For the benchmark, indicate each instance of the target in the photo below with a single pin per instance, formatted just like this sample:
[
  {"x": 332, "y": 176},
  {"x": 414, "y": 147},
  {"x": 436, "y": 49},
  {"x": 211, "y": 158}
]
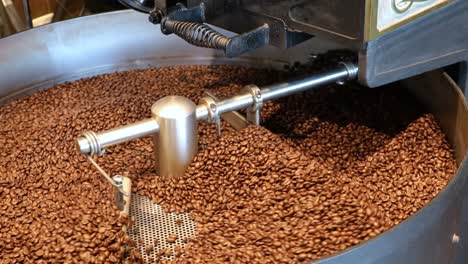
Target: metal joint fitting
[
  {"x": 156, "y": 16},
  {"x": 94, "y": 144},
  {"x": 163, "y": 26},
  {"x": 213, "y": 113},
  {"x": 352, "y": 70},
  {"x": 125, "y": 185},
  {"x": 253, "y": 112}
]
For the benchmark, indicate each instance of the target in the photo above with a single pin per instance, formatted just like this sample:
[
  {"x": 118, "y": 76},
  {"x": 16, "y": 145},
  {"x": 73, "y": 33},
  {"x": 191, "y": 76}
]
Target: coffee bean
[
  {"x": 329, "y": 169},
  {"x": 168, "y": 252},
  {"x": 319, "y": 179},
  {"x": 149, "y": 249},
  {"x": 171, "y": 239}
]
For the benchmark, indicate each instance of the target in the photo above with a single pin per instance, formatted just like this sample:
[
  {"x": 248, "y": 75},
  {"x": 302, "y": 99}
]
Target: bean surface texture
[{"x": 327, "y": 170}]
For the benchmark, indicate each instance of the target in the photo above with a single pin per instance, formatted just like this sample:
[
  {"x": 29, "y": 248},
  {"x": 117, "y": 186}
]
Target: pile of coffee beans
[
  {"x": 329, "y": 169},
  {"x": 54, "y": 206},
  {"x": 259, "y": 199}
]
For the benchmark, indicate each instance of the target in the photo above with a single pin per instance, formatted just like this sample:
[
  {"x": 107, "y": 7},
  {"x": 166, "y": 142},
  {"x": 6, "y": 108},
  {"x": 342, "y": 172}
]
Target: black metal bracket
[
  {"x": 144, "y": 6},
  {"x": 188, "y": 23}
]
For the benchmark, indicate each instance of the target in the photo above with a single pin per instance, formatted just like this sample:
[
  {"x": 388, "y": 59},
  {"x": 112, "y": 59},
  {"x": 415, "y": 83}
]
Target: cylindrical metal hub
[{"x": 176, "y": 143}]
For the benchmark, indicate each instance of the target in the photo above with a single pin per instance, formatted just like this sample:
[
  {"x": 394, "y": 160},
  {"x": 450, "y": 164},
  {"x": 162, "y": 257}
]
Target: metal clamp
[
  {"x": 124, "y": 185},
  {"x": 253, "y": 112},
  {"x": 213, "y": 113},
  {"x": 144, "y": 6}
]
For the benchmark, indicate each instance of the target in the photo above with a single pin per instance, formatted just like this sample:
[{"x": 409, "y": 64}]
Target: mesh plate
[{"x": 153, "y": 224}]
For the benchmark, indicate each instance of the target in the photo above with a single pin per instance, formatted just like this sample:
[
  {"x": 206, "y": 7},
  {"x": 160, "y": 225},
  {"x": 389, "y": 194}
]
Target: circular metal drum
[{"x": 88, "y": 46}]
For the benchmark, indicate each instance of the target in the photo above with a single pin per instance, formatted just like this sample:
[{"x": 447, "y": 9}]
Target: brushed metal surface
[{"x": 177, "y": 141}]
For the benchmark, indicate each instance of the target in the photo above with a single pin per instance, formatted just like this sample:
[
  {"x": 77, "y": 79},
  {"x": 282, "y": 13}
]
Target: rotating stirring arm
[{"x": 174, "y": 119}]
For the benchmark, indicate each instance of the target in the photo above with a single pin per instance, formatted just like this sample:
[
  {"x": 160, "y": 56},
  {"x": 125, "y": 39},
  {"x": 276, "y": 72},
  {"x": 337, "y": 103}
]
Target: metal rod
[
  {"x": 27, "y": 14},
  {"x": 98, "y": 142},
  {"x": 103, "y": 173},
  {"x": 235, "y": 103},
  {"x": 234, "y": 118},
  {"x": 60, "y": 10},
  {"x": 95, "y": 143},
  {"x": 7, "y": 29},
  {"x": 276, "y": 91},
  {"x": 13, "y": 16}
]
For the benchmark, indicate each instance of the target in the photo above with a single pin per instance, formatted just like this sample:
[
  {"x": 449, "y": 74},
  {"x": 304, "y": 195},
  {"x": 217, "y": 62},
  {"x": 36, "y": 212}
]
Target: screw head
[
  {"x": 258, "y": 94},
  {"x": 213, "y": 107},
  {"x": 340, "y": 82},
  {"x": 156, "y": 16}
]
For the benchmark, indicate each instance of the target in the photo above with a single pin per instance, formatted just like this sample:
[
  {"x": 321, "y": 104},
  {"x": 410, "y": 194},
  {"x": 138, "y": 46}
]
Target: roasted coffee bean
[
  {"x": 149, "y": 249},
  {"x": 329, "y": 169},
  {"x": 177, "y": 251},
  {"x": 56, "y": 207},
  {"x": 179, "y": 222},
  {"x": 168, "y": 252},
  {"x": 171, "y": 239}
]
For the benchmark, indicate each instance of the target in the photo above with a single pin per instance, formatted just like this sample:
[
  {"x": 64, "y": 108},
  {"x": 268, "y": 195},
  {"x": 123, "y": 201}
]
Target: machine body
[
  {"x": 394, "y": 39},
  {"x": 388, "y": 37}
]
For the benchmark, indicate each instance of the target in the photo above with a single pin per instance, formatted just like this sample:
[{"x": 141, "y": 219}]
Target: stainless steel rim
[{"x": 31, "y": 62}]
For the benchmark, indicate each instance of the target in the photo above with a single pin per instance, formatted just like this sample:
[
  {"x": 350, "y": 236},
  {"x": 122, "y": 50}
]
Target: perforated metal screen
[{"x": 153, "y": 227}]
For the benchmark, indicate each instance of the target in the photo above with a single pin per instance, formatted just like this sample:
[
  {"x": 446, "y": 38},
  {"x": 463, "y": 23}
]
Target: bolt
[
  {"x": 340, "y": 82},
  {"x": 258, "y": 94},
  {"x": 213, "y": 107},
  {"x": 313, "y": 56},
  {"x": 156, "y": 16}
]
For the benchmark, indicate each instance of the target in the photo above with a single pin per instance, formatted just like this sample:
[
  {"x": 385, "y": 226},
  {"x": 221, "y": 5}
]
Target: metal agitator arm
[{"x": 174, "y": 119}]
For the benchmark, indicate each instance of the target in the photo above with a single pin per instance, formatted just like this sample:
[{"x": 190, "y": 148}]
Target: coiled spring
[{"x": 197, "y": 34}]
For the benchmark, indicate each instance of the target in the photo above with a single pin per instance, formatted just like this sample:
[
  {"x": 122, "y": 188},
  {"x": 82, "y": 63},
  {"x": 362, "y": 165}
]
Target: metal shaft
[
  {"x": 92, "y": 143},
  {"x": 178, "y": 132},
  {"x": 27, "y": 14},
  {"x": 342, "y": 73}
]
